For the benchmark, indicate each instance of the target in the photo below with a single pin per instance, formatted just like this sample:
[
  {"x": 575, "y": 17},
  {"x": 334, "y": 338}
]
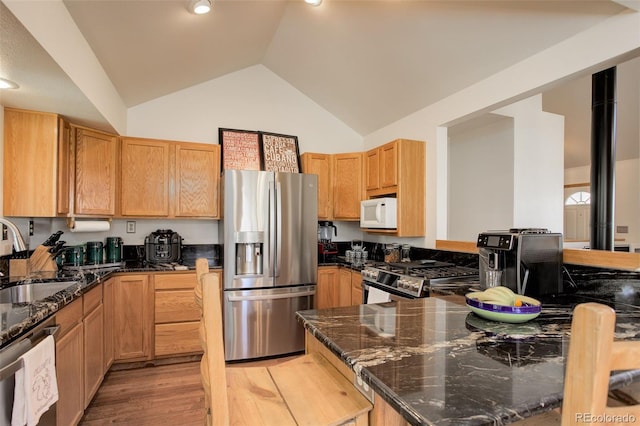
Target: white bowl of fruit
[{"x": 502, "y": 304}]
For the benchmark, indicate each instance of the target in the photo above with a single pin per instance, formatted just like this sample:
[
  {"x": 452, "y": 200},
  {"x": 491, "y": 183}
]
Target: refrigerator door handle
[
  {"x": 276, "y": 272},
  {"x": 271, "y": 297},
  {"x": 272, "y": 229}
]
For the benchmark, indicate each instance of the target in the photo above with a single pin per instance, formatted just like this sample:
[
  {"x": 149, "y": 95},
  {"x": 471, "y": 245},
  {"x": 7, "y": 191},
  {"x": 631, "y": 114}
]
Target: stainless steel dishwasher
[{"x": 10, "y": 362}]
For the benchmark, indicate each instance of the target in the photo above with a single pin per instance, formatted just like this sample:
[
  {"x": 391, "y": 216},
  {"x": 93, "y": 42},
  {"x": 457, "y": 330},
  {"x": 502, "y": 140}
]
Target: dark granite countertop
[
  {"x": 19, "y": 318},
  {"x": 435, "y": 362}
]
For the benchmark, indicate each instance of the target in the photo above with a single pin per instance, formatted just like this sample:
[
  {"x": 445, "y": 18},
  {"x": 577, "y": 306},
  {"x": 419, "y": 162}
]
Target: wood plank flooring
[
  {"x": 163, "y": 395},
  {"x": 159, "y": 396}
]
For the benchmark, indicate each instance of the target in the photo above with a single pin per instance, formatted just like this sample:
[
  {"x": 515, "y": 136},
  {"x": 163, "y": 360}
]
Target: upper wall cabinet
[
  {"x": 36, "y": 164},
  {"x": 169, "y": 179},
  {"x": 95, "y": 158},
  {"x": 397, "y": 169},
  {"x": 339, "y": 183}
]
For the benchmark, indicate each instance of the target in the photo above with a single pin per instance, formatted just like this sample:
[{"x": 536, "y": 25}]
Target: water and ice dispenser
[{"x": 249, "y": 253}]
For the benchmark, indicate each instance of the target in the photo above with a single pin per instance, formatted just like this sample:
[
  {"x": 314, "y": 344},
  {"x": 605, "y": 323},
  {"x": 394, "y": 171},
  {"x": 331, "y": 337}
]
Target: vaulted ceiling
[{"x": 368, "y": 63}]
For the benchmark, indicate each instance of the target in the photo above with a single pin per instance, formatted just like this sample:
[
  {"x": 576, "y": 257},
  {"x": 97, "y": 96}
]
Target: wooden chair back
[
  {"x": 593, "y": 354},
  {"x": 214, "y": 350},
  {"x": 202, "y": 267}
]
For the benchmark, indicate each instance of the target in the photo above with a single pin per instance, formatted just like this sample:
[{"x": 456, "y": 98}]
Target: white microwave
[{"x": 379, "y": 213}]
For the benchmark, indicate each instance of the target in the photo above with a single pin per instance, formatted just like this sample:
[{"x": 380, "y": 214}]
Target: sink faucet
[{"x": 18, "y": 242}]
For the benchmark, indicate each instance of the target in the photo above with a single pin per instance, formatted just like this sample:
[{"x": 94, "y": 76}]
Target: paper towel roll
[{"x": 90, "y": 226}]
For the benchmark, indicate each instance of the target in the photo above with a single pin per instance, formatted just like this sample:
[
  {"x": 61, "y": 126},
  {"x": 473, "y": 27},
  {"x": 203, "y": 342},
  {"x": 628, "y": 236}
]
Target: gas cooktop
[{"x": 414, "y": 278}]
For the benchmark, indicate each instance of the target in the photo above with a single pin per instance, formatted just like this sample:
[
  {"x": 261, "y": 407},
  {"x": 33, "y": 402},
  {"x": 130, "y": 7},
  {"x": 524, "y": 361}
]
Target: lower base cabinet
[
  {"x": 69, "y": 365},
  {"x": 338, "y": 286},
  {"x": 132, "y": 318}
]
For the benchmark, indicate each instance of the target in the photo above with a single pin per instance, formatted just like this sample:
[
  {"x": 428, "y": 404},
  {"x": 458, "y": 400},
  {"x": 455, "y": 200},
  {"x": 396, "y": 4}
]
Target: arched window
[{"x": 580, "y": 197}]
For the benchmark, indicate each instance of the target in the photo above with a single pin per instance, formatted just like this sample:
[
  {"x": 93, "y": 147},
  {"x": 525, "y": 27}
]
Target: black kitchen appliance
[
  {"x": 163, "y": 245},
  {"x": 530, "y": 260},
  {"x": 327, "y": 250}
]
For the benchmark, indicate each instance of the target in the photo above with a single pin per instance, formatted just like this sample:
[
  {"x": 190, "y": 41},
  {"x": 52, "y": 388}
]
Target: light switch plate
[{"x": 131, "y": 227}]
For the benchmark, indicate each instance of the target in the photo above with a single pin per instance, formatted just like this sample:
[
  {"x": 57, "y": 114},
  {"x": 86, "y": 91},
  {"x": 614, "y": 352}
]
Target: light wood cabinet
[
  {"x": 356, "y": 288},
  {"x": 177, "y": 316},
  {"x": 347, "y": 186},
  {"x": 339, "y": 183},
  {"x": 397, "y": 169},
  {"x": 169, "y": 179},
  {"x": 133, "y": 318},
  {"x": 95, "y": 157},
  {"x": 35, "y": 168},
  {"x": 197, "y": 175},
  {"x": 344, "y": 288},
  {"x": 108, "y": 302},
  {"x": 144, "y": 182},
  {"x": 93, "y": 326},
  {"x": 327, "y": 284},
  {"x": 321, "y": 165},
  {"x": 69, "y": 365}
]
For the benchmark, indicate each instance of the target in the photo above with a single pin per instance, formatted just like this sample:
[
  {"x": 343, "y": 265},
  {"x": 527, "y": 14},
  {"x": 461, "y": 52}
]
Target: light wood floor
[{"x": 162, "y": 395}]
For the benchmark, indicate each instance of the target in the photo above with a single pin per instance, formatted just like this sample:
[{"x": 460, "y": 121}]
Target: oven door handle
[{"x": 16, "y": 365}]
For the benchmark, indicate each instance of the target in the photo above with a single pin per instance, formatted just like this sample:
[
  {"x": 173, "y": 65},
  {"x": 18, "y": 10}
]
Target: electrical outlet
[
  {"x": 31, "y": 227},
  {"x": 131, "y": 227},
  {"x": 5, "y": 235}
]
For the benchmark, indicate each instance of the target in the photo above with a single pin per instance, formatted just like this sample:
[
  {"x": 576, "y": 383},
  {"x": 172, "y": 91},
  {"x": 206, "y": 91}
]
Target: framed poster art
[
  {"x": 240, "y": 149},
  {"x": 280, "y": 153}
]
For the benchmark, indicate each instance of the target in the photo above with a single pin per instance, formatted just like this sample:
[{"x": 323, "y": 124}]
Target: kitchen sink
[{"x": 33, "y": 292}]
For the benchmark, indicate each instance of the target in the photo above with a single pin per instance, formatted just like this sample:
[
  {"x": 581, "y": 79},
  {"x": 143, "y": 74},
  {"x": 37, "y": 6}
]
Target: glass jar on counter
[{"x": 392, "y": 253}]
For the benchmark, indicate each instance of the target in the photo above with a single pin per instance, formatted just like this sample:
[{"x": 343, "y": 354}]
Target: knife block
[
  {"x": 41, "y": 261},
  {"x": 19, "y": 267}
]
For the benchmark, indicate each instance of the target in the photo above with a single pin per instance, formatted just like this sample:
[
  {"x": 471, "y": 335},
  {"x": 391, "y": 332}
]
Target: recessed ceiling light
[
  {"x": 313, "y": 2},
  {"x": 200, "y": 7},
  {"x": 7, "y": 84}
]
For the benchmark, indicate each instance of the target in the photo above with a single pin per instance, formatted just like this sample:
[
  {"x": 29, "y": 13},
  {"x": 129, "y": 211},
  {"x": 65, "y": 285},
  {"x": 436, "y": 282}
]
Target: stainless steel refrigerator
[{"x": 269, "y": 229}]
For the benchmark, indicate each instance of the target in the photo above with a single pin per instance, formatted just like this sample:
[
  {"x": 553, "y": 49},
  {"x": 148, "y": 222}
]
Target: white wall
[
  {"x": 592, "y": 50},
  {"x": 250, "y": 99},
  {"x": 480, "y": 174},
  {"x": 627, "y": 193}
]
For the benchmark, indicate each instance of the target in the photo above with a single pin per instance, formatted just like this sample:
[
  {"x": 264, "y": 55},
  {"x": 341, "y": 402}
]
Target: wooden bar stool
[
  {"x": 593, "y": 354},
  {"x": 307, "y": 390}
]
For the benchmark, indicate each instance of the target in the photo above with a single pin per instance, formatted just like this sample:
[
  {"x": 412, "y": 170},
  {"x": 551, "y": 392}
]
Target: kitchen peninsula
[{"x": 434, "y": 362}]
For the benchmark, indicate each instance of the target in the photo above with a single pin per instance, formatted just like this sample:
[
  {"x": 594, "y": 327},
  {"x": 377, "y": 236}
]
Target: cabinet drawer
[
  {"x": 92, "y": 299},
  {"x": 175, "y": 339},
  {"x": 176, "y": 306},
  {"x": 175, "y": 281},
  {"x": 69, "y": 316}
]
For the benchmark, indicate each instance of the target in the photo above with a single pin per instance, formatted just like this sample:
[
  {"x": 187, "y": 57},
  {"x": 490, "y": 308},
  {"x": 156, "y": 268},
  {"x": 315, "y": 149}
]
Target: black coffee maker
[
  {"x": 326, "y": 249},
  {"x": 528, "y": 260}
]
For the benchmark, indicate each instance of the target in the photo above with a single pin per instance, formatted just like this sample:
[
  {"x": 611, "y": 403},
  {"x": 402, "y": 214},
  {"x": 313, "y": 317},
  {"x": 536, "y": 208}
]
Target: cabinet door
[
  {"x": 372, "y": 169},
  {"x": 344, "y": 288},
  {"x": 389, "y": 165},
  {"x": 145, "y": 177},
  {"x": 321, "y": 165},
  {"x": 347, "y": 190},
  {"x": 30, "y": 163},
  {"x": 108, "y": 303},
  {"x": 197, "y": 175},
  {"x": 70, "y": 376},
  {"x": 132, "y": 318},
  {"x": 93, "y": 352},
  {"x": 177, "y": 338},
  {"x": 65, "y": 172},
  {"x": 95, "y": 172},
  {"x": 326, "y": 290},
  {"x": 356, "y": 288}
]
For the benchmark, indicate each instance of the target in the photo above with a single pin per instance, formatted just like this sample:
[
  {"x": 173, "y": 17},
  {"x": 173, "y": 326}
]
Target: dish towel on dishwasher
[{"x": 36, "y": 387}]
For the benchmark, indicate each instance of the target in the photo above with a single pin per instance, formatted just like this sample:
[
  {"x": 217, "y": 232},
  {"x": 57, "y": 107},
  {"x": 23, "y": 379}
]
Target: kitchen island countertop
[{"x": 435, "y": 362}]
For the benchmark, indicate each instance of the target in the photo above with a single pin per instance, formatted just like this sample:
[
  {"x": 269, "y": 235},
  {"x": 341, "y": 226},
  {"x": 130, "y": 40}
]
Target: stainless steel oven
[
  {"x": 10, "y": 363},
  {"x": 383, "y": 282}
]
